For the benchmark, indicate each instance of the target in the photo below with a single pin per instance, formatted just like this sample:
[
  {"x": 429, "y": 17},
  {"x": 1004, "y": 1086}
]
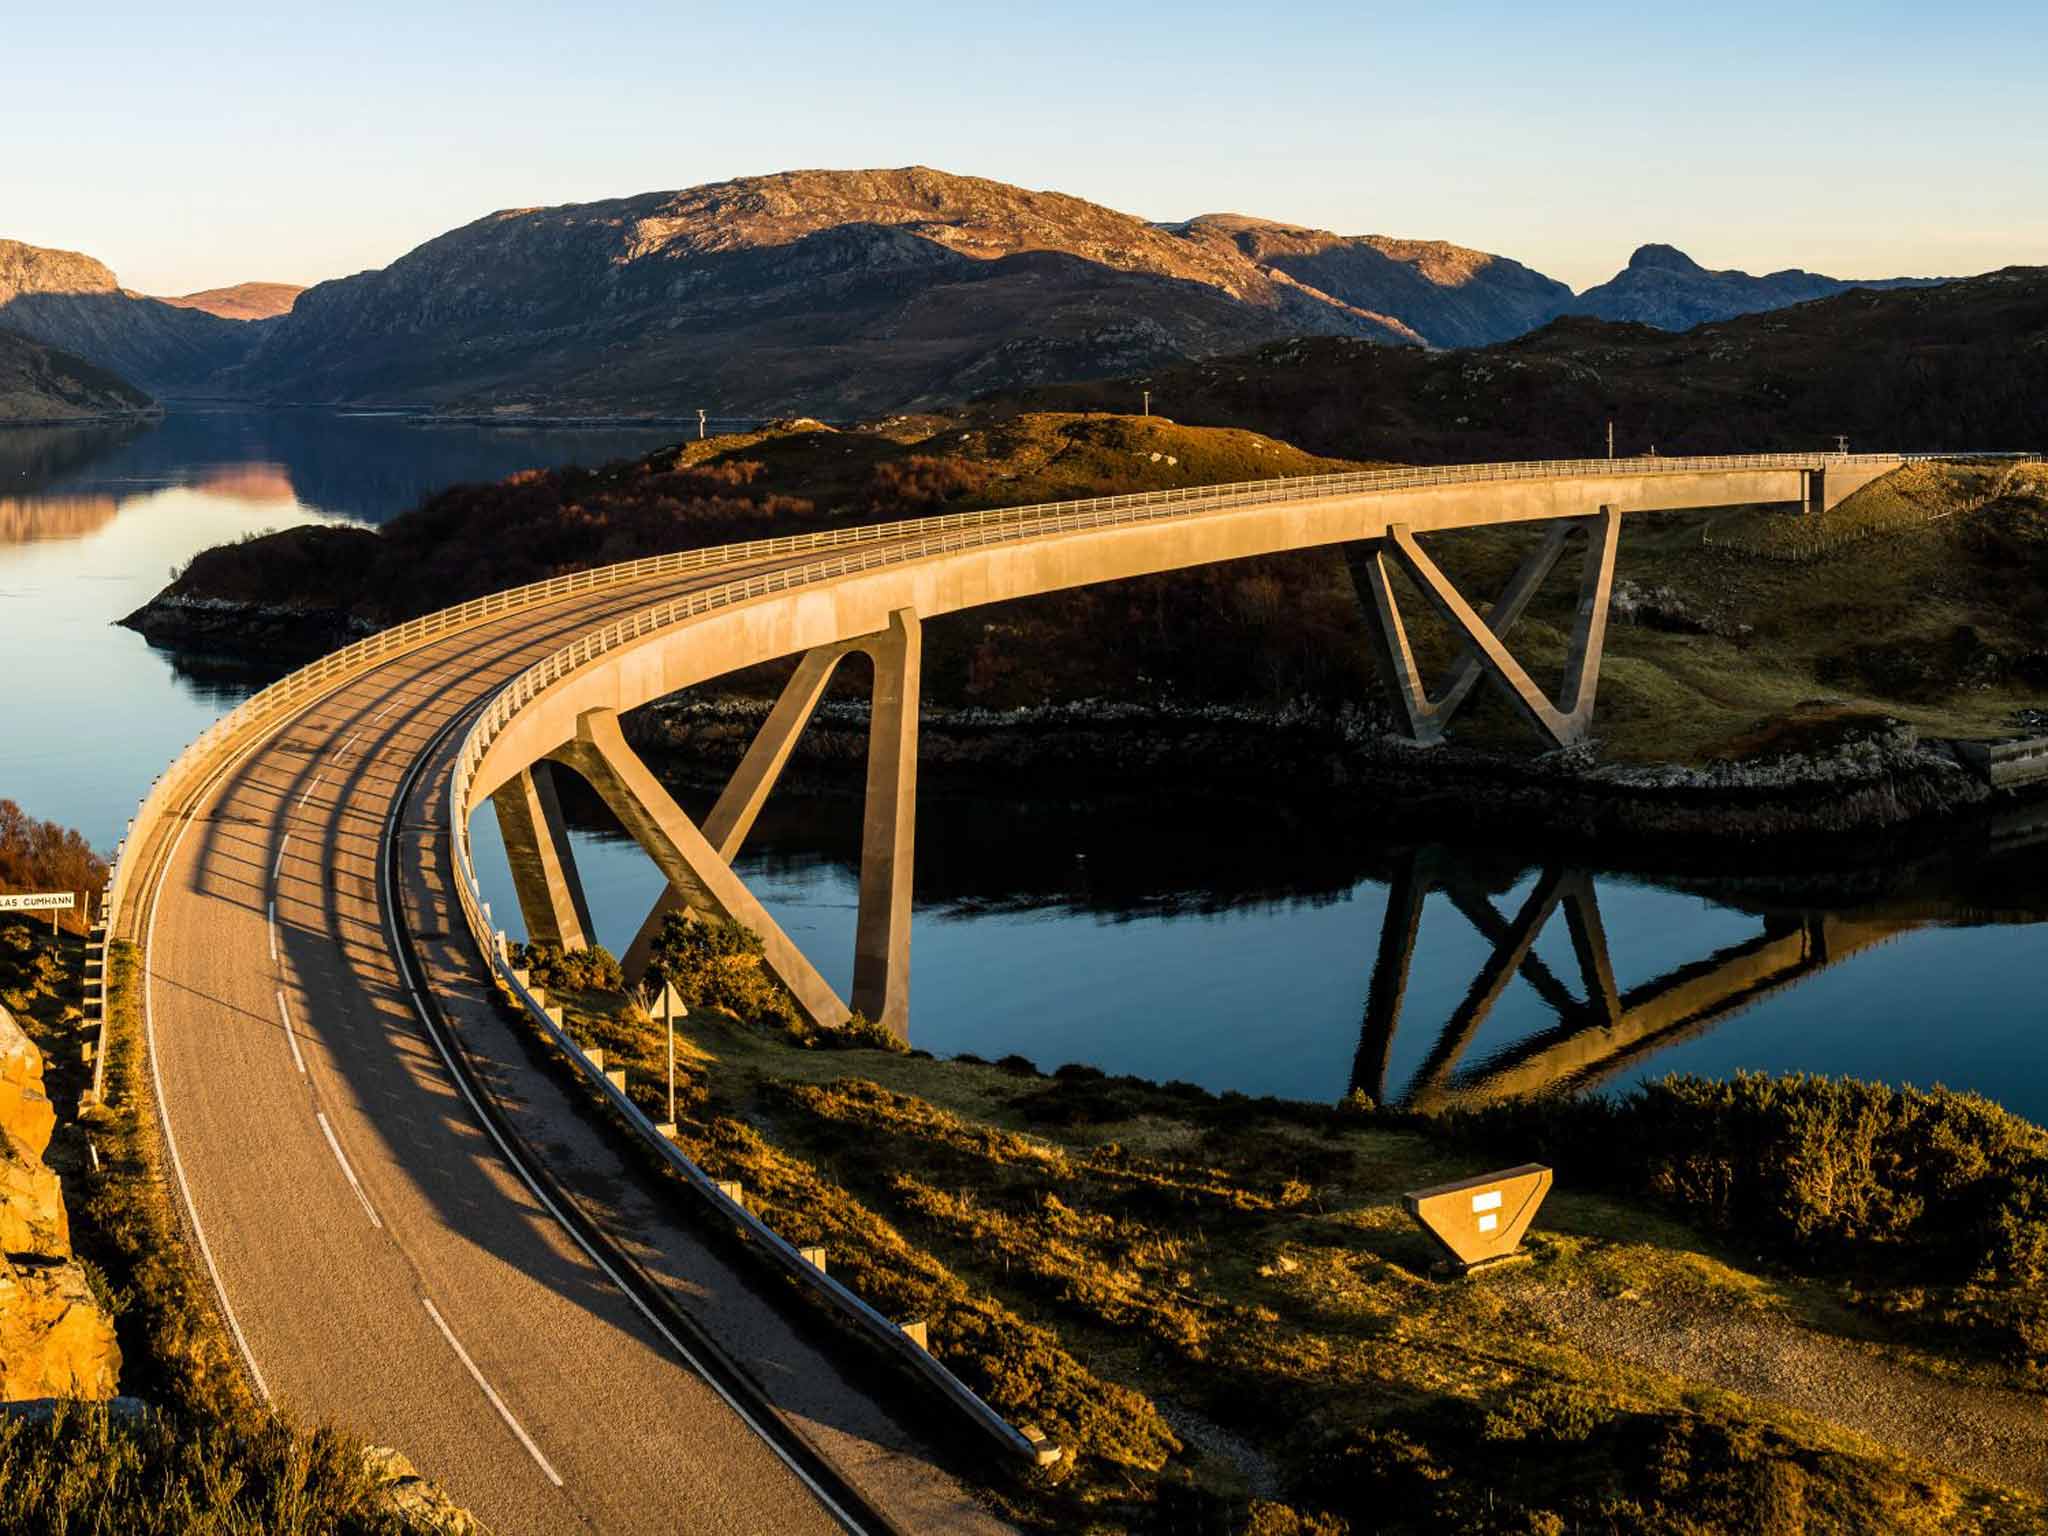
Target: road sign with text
[
  {"x": 38, "y": 901},
  {"x": 1481, "y": 1221}
]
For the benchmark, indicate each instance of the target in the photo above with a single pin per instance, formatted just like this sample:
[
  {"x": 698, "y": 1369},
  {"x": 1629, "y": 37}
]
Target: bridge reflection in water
[{"x": 1601, "y": 1030}]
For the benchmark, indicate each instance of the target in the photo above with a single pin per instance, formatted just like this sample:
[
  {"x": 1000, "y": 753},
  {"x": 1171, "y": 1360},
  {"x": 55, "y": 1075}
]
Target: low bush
[
  {"x": 1919, "y": 1183},
  {"x": 549, "y": 965}
]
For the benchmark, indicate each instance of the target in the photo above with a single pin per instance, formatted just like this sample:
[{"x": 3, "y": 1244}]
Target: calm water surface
[{"x": 1271, "y": 956}]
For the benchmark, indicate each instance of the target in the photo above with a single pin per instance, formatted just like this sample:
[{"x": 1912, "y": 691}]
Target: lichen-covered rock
[
  {"x": 26, "y": 1114},
  {"x": 419, "y": 1503},
  {"x": 55, "y": 1341}
]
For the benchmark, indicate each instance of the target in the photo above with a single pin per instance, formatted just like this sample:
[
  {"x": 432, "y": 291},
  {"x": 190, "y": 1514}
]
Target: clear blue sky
[{"x": 201, "y": 144}]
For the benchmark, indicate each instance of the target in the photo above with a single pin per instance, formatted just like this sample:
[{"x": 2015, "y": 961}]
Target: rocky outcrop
[
  {"x": 1664, "y": 287},
  {"x": 69, "y": 301},
  {"x": 56, "y": 1340},
  {"x": 1446, "y": 295},
  {"x": 419, "y": 1504}
]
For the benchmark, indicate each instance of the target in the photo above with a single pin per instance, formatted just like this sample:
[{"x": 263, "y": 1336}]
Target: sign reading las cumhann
[
  {"x": 1480, "y": 1221},
  {"x": 39, "y": 901}
]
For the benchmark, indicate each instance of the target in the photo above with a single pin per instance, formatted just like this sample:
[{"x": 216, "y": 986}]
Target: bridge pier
[
  {"x": 881, "y": 968},
  {"x": 704, "y": 882},
  {"x": 881, "y": 946},
  {"x": 1563, "y": 722},
  {"x": 543, "y": 864}
]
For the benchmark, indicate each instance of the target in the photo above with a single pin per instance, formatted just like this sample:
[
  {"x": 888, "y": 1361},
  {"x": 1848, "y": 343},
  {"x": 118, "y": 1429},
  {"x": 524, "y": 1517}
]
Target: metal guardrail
[{"x": 1026, "y": 1444}]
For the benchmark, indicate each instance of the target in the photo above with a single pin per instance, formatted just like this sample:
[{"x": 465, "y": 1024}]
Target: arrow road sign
[{"x": 1480, "y": 1221}]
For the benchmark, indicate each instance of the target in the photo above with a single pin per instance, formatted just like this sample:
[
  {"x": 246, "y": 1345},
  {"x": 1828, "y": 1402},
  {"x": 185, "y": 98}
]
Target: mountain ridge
[{"x": 828, "y": 293}]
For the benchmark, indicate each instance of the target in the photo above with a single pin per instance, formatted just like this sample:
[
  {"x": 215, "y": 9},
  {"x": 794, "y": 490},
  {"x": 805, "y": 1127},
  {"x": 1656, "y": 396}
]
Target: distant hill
[
  {"x": 836, "y": 294},
  {"x": 1960, "y": 366},
  {"x": 39, "y": 383},
  {"x": 1448, "y": 295},
  {"x": 70, "y": 301},
  {"x": 1664, "y": 287},
  {"x": 832, "y": 293},
  {"x": 243, "y": 301}
]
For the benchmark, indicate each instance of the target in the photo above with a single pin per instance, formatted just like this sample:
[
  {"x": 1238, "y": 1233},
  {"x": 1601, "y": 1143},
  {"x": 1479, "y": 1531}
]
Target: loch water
[{"x": 1305, "y": 953}]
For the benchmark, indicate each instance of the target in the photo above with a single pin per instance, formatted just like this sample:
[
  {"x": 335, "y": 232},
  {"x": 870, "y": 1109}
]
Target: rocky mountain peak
[
  {"x": 1662, "y": 258},
  {"x": 30, "y": 269}
]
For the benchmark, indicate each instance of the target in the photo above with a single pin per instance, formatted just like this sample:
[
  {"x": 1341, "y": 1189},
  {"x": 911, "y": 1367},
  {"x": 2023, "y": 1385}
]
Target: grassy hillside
[
  {"x": 1219, "y": 1307},
  {"x": 1922, "y": 598},
  {"x": 1961, "y": 366}
]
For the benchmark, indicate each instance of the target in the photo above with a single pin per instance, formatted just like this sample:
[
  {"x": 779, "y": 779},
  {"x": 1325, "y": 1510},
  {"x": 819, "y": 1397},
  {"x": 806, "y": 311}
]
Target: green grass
[{"x": 1219, "y": 1307}]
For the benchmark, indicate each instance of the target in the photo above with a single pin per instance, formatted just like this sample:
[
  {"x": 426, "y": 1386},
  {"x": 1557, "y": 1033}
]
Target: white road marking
[
  {"x": 328, "y": 1131},
  {"x": 273, "y": 929},
  {"x": 290, "y": 1038},
  {"x": 441, "y": 1046},
  {"x": 284, "y": 843},
  {"x": 497, "y": 1402},
  {"x": 350, "y": 742},
  {"x": 163, "y": 1107},
  {"x": 374, "y": 719},
  {"x": 310, "y": 788}
]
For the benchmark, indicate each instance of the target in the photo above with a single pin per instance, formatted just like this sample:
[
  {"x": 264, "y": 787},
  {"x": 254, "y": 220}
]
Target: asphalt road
[{"x": 384, "y": 1267}]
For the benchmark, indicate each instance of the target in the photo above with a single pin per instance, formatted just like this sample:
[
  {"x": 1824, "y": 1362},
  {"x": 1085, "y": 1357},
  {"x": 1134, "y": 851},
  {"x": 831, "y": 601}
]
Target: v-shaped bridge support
[
  {"x": 1564, "y": 720},
  {"x": 1513, "y": 942},
  {"x": 881, "y": 963}
]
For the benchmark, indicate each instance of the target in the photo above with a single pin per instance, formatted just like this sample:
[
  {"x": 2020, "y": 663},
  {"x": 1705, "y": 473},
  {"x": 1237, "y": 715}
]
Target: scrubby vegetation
[
  {"x": 87, "y": 1470},
  {"x": 1932, "y": 1204},
  {"x": 42, "y": 856},
  {"x": 1218, "y": 1306}
]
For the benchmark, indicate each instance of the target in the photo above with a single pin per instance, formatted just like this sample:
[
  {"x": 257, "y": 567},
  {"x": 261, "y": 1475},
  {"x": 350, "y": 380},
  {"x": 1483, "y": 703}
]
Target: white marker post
[{"x": 51, "y": 902}]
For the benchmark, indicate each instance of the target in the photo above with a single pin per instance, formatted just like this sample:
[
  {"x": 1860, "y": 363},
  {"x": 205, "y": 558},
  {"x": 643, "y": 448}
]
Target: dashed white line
[
  {"x": 284, "y": 843},
  {"x": 273, "y": 930},
  {"x": 290, "y": 1038},
  {"x": 350, "y": 742},
  {"x": 369, "y": 1210},
  {"x": 497, "y": 1402},
  {"x": 310, "y": 788}
]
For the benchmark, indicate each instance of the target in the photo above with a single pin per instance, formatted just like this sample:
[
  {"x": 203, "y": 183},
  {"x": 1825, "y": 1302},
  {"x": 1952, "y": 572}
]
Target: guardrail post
[
  {"x": 734, "y": 1191},
  {"x": 815, "y": 1257},
  {"x": 918, "y": 1334}
]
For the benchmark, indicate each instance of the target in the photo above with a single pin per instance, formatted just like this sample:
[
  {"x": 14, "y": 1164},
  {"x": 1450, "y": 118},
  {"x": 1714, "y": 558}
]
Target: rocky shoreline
[{"x": 1880, "y": 778}]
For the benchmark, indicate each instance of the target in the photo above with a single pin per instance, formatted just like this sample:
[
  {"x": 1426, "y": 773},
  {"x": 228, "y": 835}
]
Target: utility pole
[
  {"x": 1610, "y": 437},
  {"x": 700, "y": 426},
  {"x": 668, "y": 1006},
  {"x": 1148, "y": 402},
  {"x": 1842, "y": 443}
]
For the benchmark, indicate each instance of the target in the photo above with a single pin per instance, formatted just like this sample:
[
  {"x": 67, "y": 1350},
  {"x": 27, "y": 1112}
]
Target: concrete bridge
[
  {"x": 352, "y": 1122},
  {"x": 565, "y": 709}
]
